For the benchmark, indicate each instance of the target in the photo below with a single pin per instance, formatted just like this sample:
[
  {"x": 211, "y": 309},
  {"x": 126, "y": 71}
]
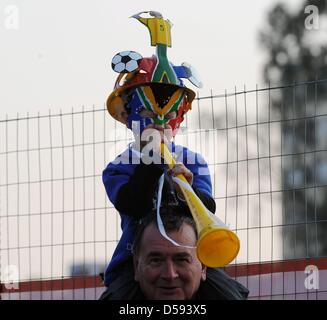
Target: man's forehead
[
  {"x": 170, "y": 253},
  {"x": 152, "y": 240}
]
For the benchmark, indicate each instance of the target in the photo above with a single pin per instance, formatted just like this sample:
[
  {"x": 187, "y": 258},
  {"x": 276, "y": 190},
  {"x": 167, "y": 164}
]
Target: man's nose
[{"x": 169, "y": 271}]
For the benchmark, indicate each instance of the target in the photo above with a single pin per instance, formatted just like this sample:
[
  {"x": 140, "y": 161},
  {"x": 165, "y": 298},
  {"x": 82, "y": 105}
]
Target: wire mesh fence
[{"x": 266, "y": 151}]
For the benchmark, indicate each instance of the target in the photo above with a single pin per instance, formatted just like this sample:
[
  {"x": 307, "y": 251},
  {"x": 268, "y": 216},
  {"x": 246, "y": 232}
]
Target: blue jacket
[{"x": 119, "y": 181}]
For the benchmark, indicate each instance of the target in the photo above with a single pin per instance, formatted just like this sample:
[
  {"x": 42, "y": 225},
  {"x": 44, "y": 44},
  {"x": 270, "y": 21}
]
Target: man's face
[{"x": 165, "y": 271}]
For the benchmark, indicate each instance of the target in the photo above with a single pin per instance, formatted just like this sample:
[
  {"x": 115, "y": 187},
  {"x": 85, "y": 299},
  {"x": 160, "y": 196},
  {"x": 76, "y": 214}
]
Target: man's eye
[
  {"x": 155, "y": 261},
  {"x": 182, "y": 260}
]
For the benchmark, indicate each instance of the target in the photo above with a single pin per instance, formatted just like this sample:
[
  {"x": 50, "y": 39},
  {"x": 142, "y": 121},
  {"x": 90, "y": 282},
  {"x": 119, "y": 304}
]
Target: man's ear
[
  {"x": 204, "y": 273},
  {"x": 136, "y": 272}
]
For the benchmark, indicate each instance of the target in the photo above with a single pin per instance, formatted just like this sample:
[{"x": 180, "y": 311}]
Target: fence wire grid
[{"x": 266, "y": 150}]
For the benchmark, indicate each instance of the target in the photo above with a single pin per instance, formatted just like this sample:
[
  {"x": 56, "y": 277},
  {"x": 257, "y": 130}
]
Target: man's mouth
[{"x": 169, "y": 290}]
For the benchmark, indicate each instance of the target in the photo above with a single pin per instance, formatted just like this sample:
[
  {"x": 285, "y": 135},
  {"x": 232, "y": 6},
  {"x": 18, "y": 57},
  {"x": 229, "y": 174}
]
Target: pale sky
[{"x": 58, "y": 55}]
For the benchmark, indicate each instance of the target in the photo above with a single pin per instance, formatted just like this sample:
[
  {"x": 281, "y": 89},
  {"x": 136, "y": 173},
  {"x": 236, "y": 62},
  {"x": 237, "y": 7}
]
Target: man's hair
[{"x": 172, "y": 220}]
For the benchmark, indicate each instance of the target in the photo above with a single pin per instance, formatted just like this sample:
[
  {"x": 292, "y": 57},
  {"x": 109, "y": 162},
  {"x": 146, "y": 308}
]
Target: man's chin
[{"x": 170, "y": 294}]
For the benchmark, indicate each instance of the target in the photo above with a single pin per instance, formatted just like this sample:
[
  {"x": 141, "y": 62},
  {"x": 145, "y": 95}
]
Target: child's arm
[
  {"x": 207, "y": 200},
  {"x": 201, "y": 178},
  {"x": 201, "y": 181},
  {"x": 131, "y": 187}
]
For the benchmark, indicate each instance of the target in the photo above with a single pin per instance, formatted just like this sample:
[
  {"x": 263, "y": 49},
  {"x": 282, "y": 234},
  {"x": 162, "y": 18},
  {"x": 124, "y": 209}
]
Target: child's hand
[
  {"x": 153, "y": 135},
  {"x": 179, "y": 168}
]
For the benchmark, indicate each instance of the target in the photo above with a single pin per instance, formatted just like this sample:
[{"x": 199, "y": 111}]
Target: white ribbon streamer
[
  {"x": 182, "y": 183},
  {"x": 159, "y": 221}
]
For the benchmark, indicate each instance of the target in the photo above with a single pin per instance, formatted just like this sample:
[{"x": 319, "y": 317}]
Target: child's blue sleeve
[
  {"x": 131, "y": 187},
  {"x": 201, "y": 175},
  {"x": 114, "y": 177}
]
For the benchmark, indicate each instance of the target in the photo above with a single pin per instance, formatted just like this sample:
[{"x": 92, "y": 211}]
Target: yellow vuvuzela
[{"x": 217, "y": 245}]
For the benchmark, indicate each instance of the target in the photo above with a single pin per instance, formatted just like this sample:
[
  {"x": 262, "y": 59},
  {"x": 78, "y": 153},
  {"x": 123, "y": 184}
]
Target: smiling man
[
  {"x": 172, "y": 271},
  {"x": 164, "y": 270}
]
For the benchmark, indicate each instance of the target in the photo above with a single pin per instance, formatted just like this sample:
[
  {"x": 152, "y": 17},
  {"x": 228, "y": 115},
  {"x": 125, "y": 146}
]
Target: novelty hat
[{"x": 153, "y": 83}]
